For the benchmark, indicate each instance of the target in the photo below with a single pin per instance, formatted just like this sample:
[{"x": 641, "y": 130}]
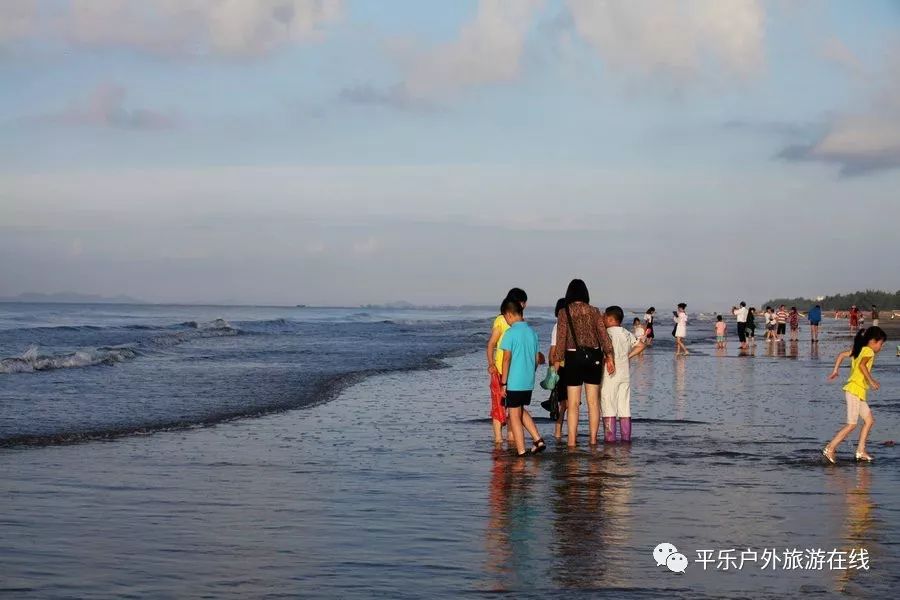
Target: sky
[{"x": 344, "y": 152}]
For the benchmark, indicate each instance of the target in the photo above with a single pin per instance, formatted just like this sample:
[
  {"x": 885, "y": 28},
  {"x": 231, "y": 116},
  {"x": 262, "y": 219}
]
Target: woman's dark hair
[
  {"x": 511, "y": 306},
  {"x": 719, "y": 318},
  {"x": 682, "y": 305},
  {"x": 864, "y": 336},
  {"x": 517, "y": 294},
  {"x": 752, "y": 309},
  {"x": 560, "y": 304},
  {"x": 577, "y": 292},
  {"x": 651, "y": 310}
]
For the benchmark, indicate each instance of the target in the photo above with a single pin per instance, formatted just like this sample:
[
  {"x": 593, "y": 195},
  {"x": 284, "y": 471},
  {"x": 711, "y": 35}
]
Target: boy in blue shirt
[
  {"x": 520, "y": 360},
  {"x": 815, "y": 317}
]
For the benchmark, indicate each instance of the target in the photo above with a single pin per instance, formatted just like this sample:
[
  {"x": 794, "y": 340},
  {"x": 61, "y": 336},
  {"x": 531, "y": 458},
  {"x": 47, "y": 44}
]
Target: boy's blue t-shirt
[
  {"x": 522, "y": 342},
  {"x": 815, "y": 314}
]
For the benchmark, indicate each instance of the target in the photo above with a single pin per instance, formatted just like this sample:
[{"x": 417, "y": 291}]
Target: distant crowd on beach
[{"x": 590, "y": 353}]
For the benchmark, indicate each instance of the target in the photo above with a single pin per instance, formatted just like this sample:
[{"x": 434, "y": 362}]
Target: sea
[{"x": 261, "y": 452}]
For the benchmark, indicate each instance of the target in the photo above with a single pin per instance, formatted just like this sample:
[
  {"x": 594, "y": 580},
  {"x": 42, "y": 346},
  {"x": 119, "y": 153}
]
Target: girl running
[{"x": 866, "y": 345}]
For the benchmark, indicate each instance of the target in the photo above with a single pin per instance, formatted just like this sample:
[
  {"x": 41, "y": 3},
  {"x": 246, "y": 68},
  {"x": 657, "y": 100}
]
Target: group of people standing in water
[{"x": 590, "y": 353}]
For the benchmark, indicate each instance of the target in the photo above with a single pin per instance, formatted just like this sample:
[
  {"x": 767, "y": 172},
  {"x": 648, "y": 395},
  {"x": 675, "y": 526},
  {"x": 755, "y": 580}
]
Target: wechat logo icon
[{"x": 667, "y": 555}]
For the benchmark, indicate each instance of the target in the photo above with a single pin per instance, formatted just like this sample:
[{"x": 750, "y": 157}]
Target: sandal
[
  {"x": 864, "y": 456},
  {"x": 829, "y": 456},
  {"x": 538, "y": 446}
]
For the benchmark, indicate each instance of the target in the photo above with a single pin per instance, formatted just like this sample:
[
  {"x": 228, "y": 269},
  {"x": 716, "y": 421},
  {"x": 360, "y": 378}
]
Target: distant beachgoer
[
  {"x": 649, "y": 334},
  {"x": 875, "y": 319},
  {"x": 815, "y": 318},
  {"x": 584, "y": 346},
  {"x": 751, "y": 325},
  {"x": 637, "y": 329},
  {"x": 495, "y": 362},
  {"x": 781, "y": 317},
  {"x": 740, "y": 314},
  {"x": 770, "y": 324},
  {"x": 866, "y": 345},
  {"x": 794, "y": 322},
  {"x": 681, "y": 321},
  {"x": 721, "y": 328},
  {"x": 854, "y": 319},
  {"x": 561, "y": 393},
  {"x": 520, "y": 360},
  {"x": 615, "y": 395}
]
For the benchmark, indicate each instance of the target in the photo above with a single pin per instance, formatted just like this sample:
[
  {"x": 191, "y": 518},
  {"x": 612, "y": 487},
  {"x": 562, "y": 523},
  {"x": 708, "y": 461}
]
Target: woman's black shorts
[{"x": 577, "y": 375}]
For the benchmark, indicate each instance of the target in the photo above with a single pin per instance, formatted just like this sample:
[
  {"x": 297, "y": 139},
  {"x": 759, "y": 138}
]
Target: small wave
[
  {"x": 214, "y": 324},
  {"x": 32, "y": 360}
]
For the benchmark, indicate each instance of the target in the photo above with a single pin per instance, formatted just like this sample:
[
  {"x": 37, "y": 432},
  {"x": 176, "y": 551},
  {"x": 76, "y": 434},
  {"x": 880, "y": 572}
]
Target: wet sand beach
[{"x": 394, "y": 489}]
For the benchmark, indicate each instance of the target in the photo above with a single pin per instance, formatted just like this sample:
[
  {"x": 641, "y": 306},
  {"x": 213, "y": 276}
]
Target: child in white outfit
[{"x": 615, "y": 393}]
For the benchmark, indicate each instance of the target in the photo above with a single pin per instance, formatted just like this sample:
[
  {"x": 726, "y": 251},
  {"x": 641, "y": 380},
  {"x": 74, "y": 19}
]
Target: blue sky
[{"x": 288, "y": 151}]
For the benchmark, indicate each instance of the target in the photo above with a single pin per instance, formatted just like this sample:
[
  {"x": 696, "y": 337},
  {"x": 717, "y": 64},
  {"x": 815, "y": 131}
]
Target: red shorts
[{"x": 498, "y": 412}]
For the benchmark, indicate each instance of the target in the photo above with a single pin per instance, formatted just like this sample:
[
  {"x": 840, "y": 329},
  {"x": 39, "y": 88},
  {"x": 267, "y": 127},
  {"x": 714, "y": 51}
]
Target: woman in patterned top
[{"x": 585, "y": 348}]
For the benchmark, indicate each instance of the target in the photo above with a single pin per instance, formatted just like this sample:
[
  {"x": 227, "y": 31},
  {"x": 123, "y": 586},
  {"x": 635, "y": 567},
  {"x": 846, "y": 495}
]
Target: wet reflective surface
[{"x": 394, "y": 489}]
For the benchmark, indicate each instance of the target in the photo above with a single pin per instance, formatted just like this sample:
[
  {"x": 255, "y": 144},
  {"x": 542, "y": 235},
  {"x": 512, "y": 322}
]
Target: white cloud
[
  {"x": 105, "y": 107},
  {"x": 489, "y": 49},
  {"x": 865, "y": 140},
  {"x": 230, "y": 28},
  {"x": 677, "y": 39},
  {"x": 836, "y": 51}
]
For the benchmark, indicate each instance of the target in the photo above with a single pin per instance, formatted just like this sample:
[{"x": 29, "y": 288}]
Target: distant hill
[
  {"x": 70, "y": 298},
  {"x": 885, "y": 300}
]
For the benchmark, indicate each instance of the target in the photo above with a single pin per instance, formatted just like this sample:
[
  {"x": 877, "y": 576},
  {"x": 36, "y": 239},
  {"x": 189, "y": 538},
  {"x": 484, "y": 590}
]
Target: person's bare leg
[
  {"x": 515, "y": 425},
  {"x": 573, "y": 397},
  {"x": 498, "y": 431},
  {"x": 868, "y": 422},
  {"x": 530, "y": 426},
  {"x": 844, "y": 431},
  {"x": 593, "y": 401},
  {"x": 557, "y": 431}
]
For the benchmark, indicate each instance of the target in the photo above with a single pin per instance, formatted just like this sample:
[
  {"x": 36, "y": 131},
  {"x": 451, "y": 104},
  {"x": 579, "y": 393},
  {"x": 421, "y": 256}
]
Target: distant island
[
  {"x": 400, "y": 304},
  {"x": 70, "y": 298},
  {"x": 884, "y": 300}
]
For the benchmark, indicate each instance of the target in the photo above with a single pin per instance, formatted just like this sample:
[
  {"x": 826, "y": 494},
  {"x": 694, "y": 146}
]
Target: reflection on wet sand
[
  {"x": 510, "y": 544},
  {"x": 591, "y": 517},
  {"x": 793, "y": 349},
  {"x": 857, "y": 530},
  {"x": 680, "y": 395}
]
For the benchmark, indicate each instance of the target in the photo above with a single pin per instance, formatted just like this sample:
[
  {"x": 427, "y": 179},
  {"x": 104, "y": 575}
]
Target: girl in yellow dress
[{"x": 866, "y": 345}]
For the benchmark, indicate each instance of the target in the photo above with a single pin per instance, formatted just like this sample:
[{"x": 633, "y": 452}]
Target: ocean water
[
  {"x": 392, "y": 487},
  {"x": 78, "y": 372}
]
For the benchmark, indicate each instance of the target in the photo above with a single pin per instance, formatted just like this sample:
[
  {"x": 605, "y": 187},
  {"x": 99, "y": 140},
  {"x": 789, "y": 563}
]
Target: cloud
[
  {"x": 679, "y": 40},
  {"x": 395, "y": 96},
  {"x": 489, "y": 50},
  {"x": 105, "y": 107},
  {"x": 863, "y": 141},
  {"x": 227, "y": 28},
  {"x": 835, "y": 51}
]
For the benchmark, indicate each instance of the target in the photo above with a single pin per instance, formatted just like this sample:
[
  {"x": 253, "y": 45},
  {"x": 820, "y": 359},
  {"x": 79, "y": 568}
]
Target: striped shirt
[{"x": 781, "y": 316}]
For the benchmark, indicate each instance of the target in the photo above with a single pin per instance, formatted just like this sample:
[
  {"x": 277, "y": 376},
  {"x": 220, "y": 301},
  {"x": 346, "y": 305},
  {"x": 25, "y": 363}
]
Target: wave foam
[{"x": 31, "y": 360}]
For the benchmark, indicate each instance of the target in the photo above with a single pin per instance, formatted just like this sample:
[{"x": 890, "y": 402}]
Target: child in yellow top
[
  {"x": 866, "y": 345},
  {"x": 495, "y": 365}
]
